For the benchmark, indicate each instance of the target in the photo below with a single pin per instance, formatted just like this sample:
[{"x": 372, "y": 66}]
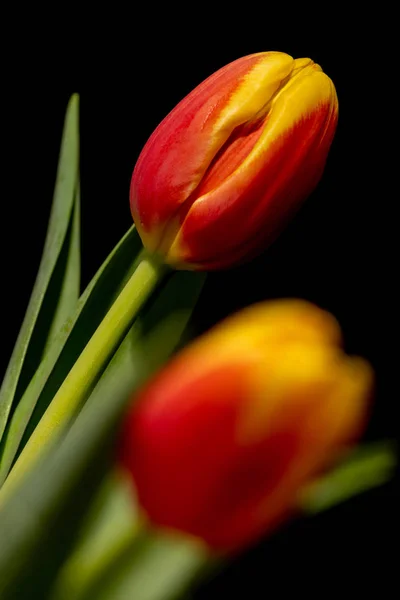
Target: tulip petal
[
  {"x": 181, "y": 149},
  {"x": 223, "y": 439},
  {"x": 255, "y": 200}
]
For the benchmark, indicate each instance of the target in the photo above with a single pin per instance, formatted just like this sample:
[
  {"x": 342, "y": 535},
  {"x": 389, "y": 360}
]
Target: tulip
[
  {"x": 225, "y": 169},
  {"x": 220, "y": 444}
]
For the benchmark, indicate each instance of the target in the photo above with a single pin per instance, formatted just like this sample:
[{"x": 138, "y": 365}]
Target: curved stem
[{"x": 84, "y": 374}]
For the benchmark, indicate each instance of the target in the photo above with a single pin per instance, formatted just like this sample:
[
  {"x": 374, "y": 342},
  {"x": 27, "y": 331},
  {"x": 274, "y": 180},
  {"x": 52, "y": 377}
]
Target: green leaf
[
  {"x": 40, "y": 520},
  {"x": 68, "y": 344},
  {"x": 70, "y": 286},
  {"x": 363, "y": 469},
  {"x": 64, "y": 196},
  {"x": 87, "y": 370}
]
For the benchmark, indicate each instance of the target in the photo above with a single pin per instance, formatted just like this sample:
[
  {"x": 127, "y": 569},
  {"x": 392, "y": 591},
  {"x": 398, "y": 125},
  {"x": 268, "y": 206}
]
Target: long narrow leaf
[
  {"x": 70, "y": 287},
  {"x": 40, "y": 520},
  {"x": 365, "y": 468},
  {"x": 68, "y": 344},
  {"x": 64, "y": 196}
]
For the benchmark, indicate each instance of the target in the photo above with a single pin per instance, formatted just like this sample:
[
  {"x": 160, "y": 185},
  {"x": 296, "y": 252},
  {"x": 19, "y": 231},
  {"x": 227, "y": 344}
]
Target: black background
[{"x": 337, "y": 252}]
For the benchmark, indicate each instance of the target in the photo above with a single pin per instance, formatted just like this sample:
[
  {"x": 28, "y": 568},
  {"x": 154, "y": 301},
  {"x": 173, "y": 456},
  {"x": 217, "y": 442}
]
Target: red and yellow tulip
[
  {"x": 220, "y": 443},
  {"x": 222, "y": 173}
]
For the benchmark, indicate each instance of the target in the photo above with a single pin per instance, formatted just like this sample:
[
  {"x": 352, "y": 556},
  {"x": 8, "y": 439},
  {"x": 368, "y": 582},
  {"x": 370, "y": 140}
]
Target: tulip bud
[
  {"x": 221, "y": 442},
  {"x": 222, "y": 173}
]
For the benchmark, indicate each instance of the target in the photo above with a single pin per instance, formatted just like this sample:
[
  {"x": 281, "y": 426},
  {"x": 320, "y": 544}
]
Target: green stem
[
  {"x": 119, "y": 551},
  {"x": 112, "y": 527},
  {"x": 83, "y": 375}
]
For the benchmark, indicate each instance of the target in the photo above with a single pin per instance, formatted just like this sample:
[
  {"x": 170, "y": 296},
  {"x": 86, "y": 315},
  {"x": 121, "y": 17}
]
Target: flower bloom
[
  {"x": 220, "y": 443},
  {"x": 222, "y": 173}
]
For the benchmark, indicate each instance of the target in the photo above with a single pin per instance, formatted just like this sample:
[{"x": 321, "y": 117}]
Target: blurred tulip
[
  {"x": 221, "y": 442},
  {"x": 223, "y": 172}
]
